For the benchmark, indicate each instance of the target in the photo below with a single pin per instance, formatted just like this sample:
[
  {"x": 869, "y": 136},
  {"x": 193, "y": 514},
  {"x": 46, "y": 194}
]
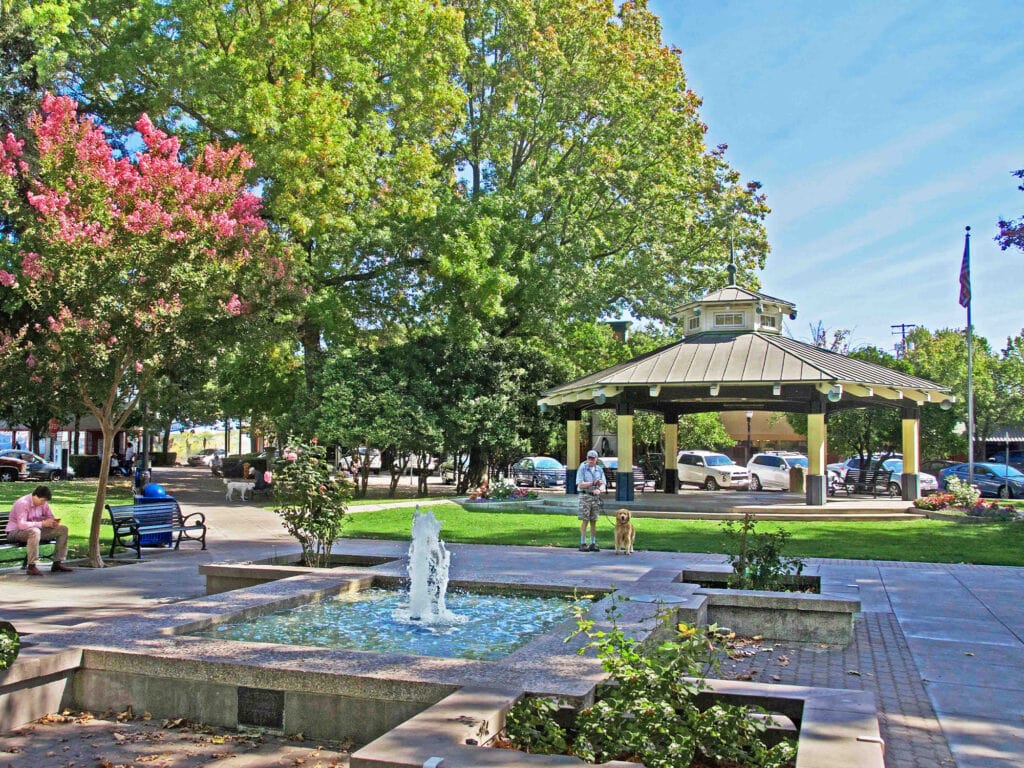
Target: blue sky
[{"x": 879, "y": 130}]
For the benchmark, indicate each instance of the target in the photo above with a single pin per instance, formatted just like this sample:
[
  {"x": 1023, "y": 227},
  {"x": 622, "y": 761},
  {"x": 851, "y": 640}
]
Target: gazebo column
[
  {"x": 572, "y": 451},
  {"x": 817, "y": 485},
  {"x": 670, "y": 434},
  {"x": 624, "y": 478},
  {"x": 910, "y": 481}
]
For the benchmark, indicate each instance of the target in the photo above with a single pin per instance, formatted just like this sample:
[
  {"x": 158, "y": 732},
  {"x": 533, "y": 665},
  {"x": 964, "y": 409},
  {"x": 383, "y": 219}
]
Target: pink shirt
[{"x": 24, "y": 515}]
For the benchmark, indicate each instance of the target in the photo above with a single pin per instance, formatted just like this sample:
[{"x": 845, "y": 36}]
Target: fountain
[{"x": 428, "y": 574}]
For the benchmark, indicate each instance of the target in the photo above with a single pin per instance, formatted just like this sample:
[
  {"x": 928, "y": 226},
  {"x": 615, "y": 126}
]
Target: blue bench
[{"x": 132, "y": 522}]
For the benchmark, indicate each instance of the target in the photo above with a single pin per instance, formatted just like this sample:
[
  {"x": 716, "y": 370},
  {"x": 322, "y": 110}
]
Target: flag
[{"x": 965, "y": 272}]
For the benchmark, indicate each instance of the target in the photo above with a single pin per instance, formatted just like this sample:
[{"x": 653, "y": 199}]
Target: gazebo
[{"x": 735, "y": 358}]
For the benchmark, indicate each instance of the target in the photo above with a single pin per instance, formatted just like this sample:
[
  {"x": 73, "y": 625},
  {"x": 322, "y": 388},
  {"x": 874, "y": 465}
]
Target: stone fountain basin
[{"x": 404, "y": 708}]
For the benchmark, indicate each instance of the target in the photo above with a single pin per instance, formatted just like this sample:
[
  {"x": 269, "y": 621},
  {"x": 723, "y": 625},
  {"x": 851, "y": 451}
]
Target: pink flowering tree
[{"x": 116, "y": 269}]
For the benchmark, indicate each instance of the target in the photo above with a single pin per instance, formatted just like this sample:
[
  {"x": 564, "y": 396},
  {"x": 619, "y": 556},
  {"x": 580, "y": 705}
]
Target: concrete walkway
[{"x": 940, "y": 646}]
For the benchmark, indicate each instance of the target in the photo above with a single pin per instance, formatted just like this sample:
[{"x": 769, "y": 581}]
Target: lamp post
[{"x": 750, "y": 446}]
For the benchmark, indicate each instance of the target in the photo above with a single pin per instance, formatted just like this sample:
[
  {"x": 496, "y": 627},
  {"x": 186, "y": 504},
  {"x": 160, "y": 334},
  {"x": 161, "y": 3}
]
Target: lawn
[
  {"x": 913, "y": 540},
  {"x": 72, "y": 502}
]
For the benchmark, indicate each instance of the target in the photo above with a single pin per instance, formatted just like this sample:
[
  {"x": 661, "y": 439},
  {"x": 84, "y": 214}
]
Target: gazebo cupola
[{"x": 734, "y": 309}]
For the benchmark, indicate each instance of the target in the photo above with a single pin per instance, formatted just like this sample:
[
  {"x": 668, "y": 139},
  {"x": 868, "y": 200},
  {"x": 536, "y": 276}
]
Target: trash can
[
  {"x": 154, "y": 493},
  {"x": 797, "y": 480}
]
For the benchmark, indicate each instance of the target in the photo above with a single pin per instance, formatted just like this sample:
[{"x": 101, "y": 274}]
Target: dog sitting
[
  {"x": 242, "y": 486},
  {"x": 624, "y": 532}
]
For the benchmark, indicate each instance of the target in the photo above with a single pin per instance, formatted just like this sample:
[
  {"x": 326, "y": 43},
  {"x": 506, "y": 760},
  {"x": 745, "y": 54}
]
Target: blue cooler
[{"x": 154, "y": 493}]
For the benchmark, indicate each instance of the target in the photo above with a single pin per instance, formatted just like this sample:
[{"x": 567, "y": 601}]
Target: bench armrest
[{"x": 199, "y": 518}]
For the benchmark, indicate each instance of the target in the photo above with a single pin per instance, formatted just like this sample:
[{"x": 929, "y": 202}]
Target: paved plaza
[{"x": 941, "y": 647}]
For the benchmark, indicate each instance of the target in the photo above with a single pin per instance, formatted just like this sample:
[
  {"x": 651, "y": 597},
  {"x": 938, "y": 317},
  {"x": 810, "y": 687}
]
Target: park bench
[
  {"x": 132, "y": 522},
  {"x": 876, "y": 481},
  {"x": 14, "y": 546},
  {"x": 641, "y": 481}
]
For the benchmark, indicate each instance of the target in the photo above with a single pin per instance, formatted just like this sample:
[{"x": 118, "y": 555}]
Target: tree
[
  {"x": 585, "y": 188},
  {"x": 128, "y": 267},
  {"x": 1011, "y": 233}
]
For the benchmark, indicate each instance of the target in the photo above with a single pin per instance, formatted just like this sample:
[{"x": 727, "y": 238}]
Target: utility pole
[{"x": 901, "y": 329}]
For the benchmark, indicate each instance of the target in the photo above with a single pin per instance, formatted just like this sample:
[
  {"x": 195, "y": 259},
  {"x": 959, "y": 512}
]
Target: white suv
[
  {"x": 710, "y": 470},
  {"x": 771, "y": 469}
]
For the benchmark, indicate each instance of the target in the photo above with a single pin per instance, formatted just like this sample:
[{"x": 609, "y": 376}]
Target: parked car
[
  {"x": 374, "y": 466},
  {"x": 927, "y": 483},
  {"x": 710, "y": 470},
  {"x": 1016, "y": 458},
  {"x": 37, "y": 467},
  {"x": 935, "y": 466},
  {"x": 205, "y": 458},
  {"x": 538, "y": 471},
  {"x": 446, "y": 469},
  {"x": 996, "y": 480},
  {"x": 12, "y": 469},
  {"x": 842, "y": 468},
  {"x": 771, "y": 469},
  {"x": 233, "y": 466}
]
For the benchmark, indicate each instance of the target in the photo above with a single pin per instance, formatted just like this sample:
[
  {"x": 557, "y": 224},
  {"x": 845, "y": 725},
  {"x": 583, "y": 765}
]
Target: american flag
[{"x": 965, "y": 272}]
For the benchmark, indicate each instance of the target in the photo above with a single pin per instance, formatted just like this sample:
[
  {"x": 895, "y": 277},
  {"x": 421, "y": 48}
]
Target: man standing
[
  {"x": 32, "y": 522},
  {"x": 590, "y": 485},
  {"x": 129, "y": 456}
]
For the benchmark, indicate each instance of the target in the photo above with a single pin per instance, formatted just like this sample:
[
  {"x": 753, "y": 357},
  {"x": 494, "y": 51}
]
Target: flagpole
[{"x": 965, "y": 277}]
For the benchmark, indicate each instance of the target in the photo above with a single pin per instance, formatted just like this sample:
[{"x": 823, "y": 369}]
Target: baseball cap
[{"x": 591, "y": 454}]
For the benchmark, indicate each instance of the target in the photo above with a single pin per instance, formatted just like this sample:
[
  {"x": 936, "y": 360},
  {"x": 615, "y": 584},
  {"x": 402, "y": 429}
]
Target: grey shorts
[{"x": 590, "y": 507}]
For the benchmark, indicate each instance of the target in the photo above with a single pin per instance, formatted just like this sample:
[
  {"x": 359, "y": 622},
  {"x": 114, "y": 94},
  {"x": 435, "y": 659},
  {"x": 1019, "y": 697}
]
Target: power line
[{"x": 901, "y": 329}]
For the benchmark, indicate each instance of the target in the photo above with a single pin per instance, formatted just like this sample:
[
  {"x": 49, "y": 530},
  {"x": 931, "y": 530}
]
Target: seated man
[{"x": 32, "y": 522}]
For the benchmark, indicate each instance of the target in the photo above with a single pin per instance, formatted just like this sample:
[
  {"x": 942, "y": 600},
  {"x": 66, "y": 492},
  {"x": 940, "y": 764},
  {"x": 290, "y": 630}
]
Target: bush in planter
[
  {"x": 647, "y": 710},
  {"x": 965, "y": 495},
  {"x": 310, "y": 500},
  {"x": 934, "y": 502},
  {"x": 756, "y": 557},
  {"x": 10, "y": 644}
]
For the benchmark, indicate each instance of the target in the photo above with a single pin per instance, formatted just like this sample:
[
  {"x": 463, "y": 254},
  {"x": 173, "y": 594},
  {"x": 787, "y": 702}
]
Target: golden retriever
[{"x": 624, "y": 532}]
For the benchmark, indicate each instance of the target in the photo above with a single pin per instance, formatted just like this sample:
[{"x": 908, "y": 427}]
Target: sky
[{"x": 879, "y": 130}]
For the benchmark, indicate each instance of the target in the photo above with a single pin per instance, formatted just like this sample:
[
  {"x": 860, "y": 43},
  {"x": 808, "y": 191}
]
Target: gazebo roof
[{"x": 751, "y": 367}]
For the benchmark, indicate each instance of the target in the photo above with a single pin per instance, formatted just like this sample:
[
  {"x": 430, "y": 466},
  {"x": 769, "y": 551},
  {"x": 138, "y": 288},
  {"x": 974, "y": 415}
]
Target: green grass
[
  {"x": 72, "y": 503},
  {"x": 914, "y": 540}
]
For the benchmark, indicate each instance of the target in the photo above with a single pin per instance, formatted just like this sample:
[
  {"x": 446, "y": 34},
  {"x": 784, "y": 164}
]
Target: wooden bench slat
[{"x": 6, "y": 544}]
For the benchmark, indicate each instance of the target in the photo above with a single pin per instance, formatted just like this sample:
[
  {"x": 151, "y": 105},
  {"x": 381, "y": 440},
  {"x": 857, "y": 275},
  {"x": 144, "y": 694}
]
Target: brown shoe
[
  {"x": 33, "y": 571},
  {"x": 59, "y": 567}
]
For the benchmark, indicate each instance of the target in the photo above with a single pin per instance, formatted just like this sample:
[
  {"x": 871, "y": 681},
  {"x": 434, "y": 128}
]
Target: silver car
[{"x": 770, "y": 470}]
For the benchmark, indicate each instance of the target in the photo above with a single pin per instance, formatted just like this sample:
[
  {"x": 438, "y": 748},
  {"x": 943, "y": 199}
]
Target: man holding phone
[{"x": 32, "y": 522}]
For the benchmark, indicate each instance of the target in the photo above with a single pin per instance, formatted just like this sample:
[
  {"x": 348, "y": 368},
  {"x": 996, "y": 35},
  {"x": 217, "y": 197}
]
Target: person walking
[
  {"x": 32, "y": 522},
  {"x": 590, "y": 486}
]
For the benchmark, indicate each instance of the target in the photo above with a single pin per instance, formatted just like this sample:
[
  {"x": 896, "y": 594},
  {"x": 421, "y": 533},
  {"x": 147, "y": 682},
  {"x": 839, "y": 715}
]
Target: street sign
[{"x": 54, "y": 426}]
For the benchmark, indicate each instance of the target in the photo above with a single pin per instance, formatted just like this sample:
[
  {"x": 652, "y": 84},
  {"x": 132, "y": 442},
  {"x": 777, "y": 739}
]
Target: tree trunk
[{"x": 95, "y": 556}]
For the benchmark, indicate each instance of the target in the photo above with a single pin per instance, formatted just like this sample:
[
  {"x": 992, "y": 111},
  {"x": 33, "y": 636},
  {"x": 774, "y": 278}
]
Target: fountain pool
[{"x": 491, "y": 626}]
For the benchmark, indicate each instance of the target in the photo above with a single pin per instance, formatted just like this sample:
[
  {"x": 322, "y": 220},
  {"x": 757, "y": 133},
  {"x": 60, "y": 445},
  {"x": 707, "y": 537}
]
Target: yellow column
[
  {"x": 624, "y": 481},
  {"x": 911, "y": 440},
  {"x": 572, "y": 454},
  {"x": 670, "y": 435},
  {"x": 816, "y": 490},
  {"x": 910, "y": 481}
]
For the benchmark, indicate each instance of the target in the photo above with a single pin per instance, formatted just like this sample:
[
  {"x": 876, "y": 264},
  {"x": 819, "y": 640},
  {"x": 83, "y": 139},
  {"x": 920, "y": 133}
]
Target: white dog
[{"x": 243, "y": 487}]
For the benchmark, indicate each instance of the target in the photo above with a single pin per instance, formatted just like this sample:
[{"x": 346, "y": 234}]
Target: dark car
[
  {"x": 37, "y": 467},
  {"x": 1016, "y": 458},
  {"x": 538, "y": 471},
  {"x": 234, "y": 466},
  {"x": 12, "y": 469},
  {"x": 996, "y": 480},
  {"x": 935, "y": 466}
]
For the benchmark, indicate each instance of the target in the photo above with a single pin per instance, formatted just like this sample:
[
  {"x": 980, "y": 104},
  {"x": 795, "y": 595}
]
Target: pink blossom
[
  {"x": 35, "y": 378},
  {"x": 32, "y": 266},
  {"x": 234, "y": 305},
  {"x": 138, "y": 367},
  {"x": 30, "y": 361},
  {"x": 291, "y": 456},
  {"x": 112, "y": 341},
  {"x": 7, "y": 279}
]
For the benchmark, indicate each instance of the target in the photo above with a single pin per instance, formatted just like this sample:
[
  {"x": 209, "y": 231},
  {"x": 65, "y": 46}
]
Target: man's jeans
[{"x": 31, "y": 538}]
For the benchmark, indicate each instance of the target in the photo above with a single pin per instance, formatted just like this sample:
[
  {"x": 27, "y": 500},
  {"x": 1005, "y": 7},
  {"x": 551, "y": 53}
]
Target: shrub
[
  {"x": 310, "y": 500},
  {"x": 964, "y": 494},
  {"x": 10, "y": 644},
  {"x": 647, "y": 710},
  {"x": 756, "y": 558},
  {"x": 934, "y": 502}
]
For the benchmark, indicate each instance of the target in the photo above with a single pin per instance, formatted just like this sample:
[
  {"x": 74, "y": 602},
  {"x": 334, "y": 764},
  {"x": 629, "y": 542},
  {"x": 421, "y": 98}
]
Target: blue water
[{"x": 493, "y": 627}]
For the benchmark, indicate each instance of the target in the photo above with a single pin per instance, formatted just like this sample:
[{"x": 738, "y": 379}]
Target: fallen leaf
[
  {"x": 853, "y": 672},
  {"x": 776, "y": 678},
  {"x": 968, "y": 653},
  {"x": 783, "y": 661}
]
